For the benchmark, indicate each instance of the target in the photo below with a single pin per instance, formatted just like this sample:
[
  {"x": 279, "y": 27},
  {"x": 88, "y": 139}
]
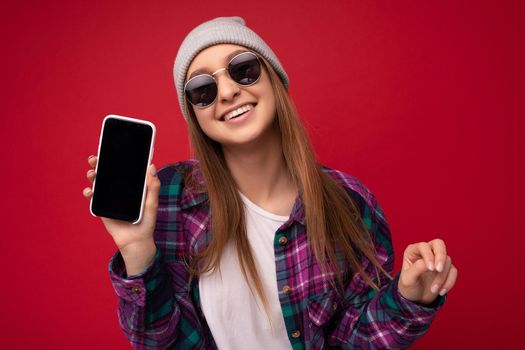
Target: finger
[
  {"x": 440, "y": 253},
  {"x": 91, "y": 174},
  {"x": 412, "y": 274},
  {"x": 92, "y": 161},
  {"x": 420, "y": 250},
  {"x": 451, "y": 280},
  {"x": 440, "y": 278},
  {"x": 152, "y": 194},
  {"x": 87, "y": 192}
]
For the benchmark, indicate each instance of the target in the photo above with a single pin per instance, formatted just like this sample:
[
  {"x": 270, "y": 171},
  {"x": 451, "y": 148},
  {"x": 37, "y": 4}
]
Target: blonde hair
[{"x": 333, "y": 222}]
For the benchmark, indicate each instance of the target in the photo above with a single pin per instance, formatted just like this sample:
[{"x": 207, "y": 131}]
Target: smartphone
[{"x": 124, "y": 154}]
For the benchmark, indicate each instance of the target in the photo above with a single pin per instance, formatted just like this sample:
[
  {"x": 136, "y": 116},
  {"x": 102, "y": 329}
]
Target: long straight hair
[{"x": 334, "y": 225}]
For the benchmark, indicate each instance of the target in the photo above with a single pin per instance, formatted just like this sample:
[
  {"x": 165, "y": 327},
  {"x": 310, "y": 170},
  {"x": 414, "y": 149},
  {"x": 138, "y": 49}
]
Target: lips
[{"x": 237, "y": 111}]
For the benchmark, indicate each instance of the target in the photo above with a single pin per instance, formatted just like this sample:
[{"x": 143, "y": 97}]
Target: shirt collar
[
  {"x": 191, "y": 197},
  {"x": 297, "y": 213}
]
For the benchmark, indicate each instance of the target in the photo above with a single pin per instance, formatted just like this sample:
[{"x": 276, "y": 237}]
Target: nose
[{"x": 227, "y": 88}]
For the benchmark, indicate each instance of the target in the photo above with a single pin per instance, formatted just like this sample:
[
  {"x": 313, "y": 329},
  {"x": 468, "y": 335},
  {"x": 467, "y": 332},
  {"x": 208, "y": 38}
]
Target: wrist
[{"x": 138, "y": 256}]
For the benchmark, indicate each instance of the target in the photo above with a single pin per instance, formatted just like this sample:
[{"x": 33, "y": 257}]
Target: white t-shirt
[{"x": 236, "y": 319}]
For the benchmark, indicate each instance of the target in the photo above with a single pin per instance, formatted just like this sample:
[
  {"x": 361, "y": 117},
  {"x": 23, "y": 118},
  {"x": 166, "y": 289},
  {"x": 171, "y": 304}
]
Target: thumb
[
  {"x": 152, "y": 193},
  {"x": 412, "y": 272}
]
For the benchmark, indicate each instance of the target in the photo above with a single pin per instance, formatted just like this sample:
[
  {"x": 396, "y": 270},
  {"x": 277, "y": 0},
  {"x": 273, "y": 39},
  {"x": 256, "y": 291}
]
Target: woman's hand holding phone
[{"x": 135, "y": 241}]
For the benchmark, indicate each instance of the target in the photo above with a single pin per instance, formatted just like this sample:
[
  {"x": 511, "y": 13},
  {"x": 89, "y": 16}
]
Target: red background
[{"x": 422, "y": 101}]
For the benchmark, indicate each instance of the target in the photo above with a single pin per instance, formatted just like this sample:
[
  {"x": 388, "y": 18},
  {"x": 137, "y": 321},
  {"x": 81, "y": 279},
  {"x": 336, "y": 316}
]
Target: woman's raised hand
[
  {"x": 135, "y": 241},
  {"x": 426, "y": 272}
]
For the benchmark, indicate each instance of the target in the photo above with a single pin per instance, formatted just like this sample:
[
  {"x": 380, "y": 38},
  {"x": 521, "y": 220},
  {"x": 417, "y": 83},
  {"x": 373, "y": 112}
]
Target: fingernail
[
  {"x": 153, "y": 170},
  {"x": 434, "y": 288},
  {"x": 91, "y": 156},
  {"x": 90, "y": 172},
  {"x": 439, "y": 266},
  {"x": 442, "y": 292},
  {"x": 87, "y": 191},
  {"x": 430, "y": 265}
]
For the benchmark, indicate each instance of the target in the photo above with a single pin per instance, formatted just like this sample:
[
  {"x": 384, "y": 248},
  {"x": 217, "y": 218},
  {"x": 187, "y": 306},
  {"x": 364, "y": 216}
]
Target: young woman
[{"x": 254, "y": 244}]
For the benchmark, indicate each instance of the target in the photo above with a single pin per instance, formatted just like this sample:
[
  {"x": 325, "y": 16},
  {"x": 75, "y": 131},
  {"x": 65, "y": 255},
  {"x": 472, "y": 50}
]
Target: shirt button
[
  {"x": 334, "y": 306},
  {"x": 296, "y": 334},
  {"x": 136, "y": 289},
  {"x": 287, "y": 290},
  {"x": 283, "y": 240}
]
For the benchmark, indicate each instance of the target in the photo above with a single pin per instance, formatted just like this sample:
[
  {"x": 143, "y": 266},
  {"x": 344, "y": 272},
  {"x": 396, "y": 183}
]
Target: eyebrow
[{"x": 228, "y": 58}]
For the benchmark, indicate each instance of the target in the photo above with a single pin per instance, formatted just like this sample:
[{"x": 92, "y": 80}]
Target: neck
[{"x": 260, "y": 172}]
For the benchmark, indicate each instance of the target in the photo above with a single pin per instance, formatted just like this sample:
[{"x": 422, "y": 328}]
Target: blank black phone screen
[{"x": 121, "y": 170}]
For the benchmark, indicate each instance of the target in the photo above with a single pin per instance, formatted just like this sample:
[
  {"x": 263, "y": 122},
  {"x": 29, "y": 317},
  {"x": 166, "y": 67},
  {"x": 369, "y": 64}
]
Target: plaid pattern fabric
[{"x": 159, "y": 309}]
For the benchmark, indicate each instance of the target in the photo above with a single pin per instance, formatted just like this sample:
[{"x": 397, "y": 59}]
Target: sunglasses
[{"x": 244, "y": 68}]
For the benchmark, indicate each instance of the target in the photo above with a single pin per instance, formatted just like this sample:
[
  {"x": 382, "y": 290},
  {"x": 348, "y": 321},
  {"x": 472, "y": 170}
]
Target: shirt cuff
[
  {"x": 133, "y": 288},
  {"x": 408, "y": 309}
]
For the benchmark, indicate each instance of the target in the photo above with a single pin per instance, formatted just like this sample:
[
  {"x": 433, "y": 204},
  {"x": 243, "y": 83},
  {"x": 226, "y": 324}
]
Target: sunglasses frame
[{"x": 212, "y": 75}]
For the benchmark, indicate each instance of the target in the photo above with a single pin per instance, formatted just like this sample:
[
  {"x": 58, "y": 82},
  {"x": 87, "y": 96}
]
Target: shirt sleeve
[
  {"x": 156, "y": 309},
  {"x": 146, "y": 303},
  {"x": 381, "y": 319}
]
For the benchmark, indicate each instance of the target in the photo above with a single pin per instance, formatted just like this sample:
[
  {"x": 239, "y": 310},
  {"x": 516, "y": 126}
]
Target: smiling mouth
[{"x": 238, "y": 112}]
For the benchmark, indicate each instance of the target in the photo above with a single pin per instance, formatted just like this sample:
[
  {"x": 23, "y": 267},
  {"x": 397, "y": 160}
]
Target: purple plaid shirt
[{"x": 159, "y": 309}]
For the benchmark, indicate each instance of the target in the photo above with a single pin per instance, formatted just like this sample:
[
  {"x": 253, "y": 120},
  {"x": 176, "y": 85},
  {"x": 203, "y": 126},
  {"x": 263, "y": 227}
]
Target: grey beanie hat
[{"x": 221, "y": 30}]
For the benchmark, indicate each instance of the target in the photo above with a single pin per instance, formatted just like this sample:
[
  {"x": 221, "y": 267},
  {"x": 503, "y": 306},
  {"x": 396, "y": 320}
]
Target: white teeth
[{"x": 238, "y": 111}]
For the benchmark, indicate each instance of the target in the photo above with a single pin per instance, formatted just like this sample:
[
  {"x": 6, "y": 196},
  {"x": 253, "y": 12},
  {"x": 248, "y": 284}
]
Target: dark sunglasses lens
[
  {"x": 245, "y": 68},
  {"x": 201, "y": 91}
]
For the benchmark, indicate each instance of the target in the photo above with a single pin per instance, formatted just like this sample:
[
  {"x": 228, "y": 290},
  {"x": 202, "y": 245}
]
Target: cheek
[
  {"x": 204, "y": 117},
  {"x": 269, "y": 103},
  {"x": 265, "y": 91},
  {"x": 204, "y": 124}
]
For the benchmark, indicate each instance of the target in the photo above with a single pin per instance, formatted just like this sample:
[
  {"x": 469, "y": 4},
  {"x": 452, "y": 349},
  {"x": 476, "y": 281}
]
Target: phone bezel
[{"x": 150, "y": 157}]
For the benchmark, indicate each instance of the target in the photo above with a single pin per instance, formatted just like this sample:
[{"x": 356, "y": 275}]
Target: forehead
[{"x": 213, "y": 58}]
